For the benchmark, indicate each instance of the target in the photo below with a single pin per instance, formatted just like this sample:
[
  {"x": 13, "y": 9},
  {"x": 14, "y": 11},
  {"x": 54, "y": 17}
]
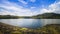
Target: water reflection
[{"x": 30, "y": 23}]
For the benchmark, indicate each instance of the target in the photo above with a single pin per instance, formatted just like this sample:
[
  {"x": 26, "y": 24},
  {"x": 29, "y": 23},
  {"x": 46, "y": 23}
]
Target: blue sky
[{"x": 28, "y": 7}]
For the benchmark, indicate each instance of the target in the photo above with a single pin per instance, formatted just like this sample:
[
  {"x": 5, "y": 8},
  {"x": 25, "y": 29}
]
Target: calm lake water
[{"x": 30, "y": 23}]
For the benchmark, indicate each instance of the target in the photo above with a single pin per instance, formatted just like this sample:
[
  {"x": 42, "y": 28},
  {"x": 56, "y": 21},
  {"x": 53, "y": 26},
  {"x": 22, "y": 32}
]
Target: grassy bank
[{"x": 48, "y": 29}]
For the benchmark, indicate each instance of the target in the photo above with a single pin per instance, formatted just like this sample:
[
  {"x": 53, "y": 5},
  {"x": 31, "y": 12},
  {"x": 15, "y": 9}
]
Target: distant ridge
[
  {"x": 39, "y": 16},
  {"x": 48, "y": 16}
]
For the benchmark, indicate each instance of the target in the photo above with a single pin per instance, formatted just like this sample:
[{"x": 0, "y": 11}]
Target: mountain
[
  {"x": 47, "y": 29},
  {"x": 8, "y": 17},
  {"x": 47, "y": 16},
  {"x": 40, "y": 16},
  {"x": 12, "y": 17}
]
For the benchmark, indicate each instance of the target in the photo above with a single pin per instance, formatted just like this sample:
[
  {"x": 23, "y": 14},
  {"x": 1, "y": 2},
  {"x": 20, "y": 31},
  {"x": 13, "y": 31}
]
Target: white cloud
[
  {"x": 22, "y": 1},
  {"x": 46, "y": 11},
  {"x": 55, "y": 8},
  {"x": 33, "y": 7},
  {"x": 26, "y": 2},
  {"x": 17, "y": 11},
  {"x": 14, "y": 9},
  {"x": 4, "y": 12}
]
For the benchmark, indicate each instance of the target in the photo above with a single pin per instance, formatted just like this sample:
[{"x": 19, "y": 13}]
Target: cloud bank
[
  {"x": 8, "y": 8},
  {"x": 53, "y": 8}
]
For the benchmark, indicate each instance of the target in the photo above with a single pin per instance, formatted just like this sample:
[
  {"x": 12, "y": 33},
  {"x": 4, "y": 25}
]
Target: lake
[{"x": 30, "y": 23}]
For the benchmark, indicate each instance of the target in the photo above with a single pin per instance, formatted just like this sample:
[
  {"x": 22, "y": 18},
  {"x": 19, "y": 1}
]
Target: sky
[{"x": 29, "y": 7}]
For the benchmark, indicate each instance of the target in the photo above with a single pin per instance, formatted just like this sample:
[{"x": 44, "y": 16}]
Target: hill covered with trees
[
  {"x": 8, "y": 17},
  {"x": 40, "y": 16},
  {"x": 47, "y": 16}
]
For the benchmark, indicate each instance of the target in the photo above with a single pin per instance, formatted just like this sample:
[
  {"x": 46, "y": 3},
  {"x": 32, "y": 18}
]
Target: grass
[{"x": 48, "y": 29}]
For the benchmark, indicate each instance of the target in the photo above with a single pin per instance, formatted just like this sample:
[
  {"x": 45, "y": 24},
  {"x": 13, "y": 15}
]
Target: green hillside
[
  {"x": 12, "y": 17},
  {"x": 8, "y": 17},
  {"x": 40, "y": 16},
  {"x": 47, "y": 16}
]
